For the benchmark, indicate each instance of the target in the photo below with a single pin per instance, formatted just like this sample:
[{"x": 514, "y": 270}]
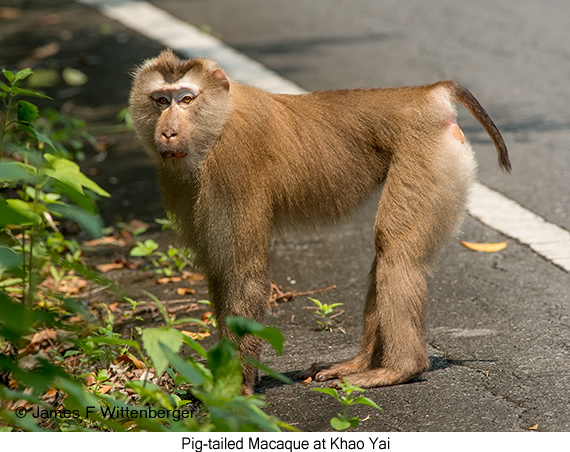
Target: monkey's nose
[{"x": 168, "y": 135}]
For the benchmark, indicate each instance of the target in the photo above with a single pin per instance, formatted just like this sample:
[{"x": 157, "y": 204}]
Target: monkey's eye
[
  {"x": 162, "y": 100},
  {"x": 187, "y": 99}
]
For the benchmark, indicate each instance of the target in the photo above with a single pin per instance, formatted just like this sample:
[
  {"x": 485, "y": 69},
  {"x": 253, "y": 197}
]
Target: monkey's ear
[{"x": 221, "y": 77}]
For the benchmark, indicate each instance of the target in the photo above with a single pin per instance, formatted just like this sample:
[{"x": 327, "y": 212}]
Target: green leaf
[
  {"x": 241, "y": 326},
  {"x": 10, "y": 260},
  {"x": 29, "y": 129},
  {"x": 340, "y": 424},
  {"x": 88, "y": 221},
  {"x": 29, "y": 93},
  {"x": 220, "y": 354},
  {"x": 354, "y": 421},
  {"x": 161, "y": 308},
  {"x": 367, "y": 401},
  {"x": 27, "y": 112},
  {"x": 225, "y": 367},
  {"x": 114, "y": 341},
  {"x": 188, "y": 369},
  {"x": 21, "y": 75},
  {"x": 330, "y": 391},
  {"x": 9, "y": 75},
  {"x": 17, "y": 212},
  {"x": 144, "y": 249},
  {"x": 16, "y": 172},
  {"x": 64, "y": 171},
  {"x": 77, "y": 396},
  {"x": 153, "y": 338},
  {"x": 269, "y": 371},
  {"x": 69, "y": 174},
  {"x": 197, "y": 347},
  {"x": 17, "y": 320}
]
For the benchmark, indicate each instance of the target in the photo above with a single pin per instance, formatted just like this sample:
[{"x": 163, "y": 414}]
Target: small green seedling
[
  {"x": 341, "y": 422},
  {"x": 323, "y": 311},
  {"x": 166, "y": 264}
]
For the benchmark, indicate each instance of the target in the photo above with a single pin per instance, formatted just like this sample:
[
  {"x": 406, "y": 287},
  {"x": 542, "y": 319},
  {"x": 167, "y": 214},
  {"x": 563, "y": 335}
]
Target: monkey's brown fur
[{"x": 235, "y": 162}]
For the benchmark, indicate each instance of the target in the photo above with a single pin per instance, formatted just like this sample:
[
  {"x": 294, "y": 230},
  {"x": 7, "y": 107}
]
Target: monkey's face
[
  {"x": 176, "y": 105},
  {"x": 179, "y": 107}
]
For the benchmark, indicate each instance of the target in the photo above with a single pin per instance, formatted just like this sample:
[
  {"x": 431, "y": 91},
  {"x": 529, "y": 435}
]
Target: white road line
[
  {"x": 510, "y": 218},
  {"x": 173, "y": 33},
  {"x": 488, "y": 206}
]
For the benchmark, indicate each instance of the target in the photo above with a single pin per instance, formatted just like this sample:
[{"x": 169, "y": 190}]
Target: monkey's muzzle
[{"x": 172, "y": 154}]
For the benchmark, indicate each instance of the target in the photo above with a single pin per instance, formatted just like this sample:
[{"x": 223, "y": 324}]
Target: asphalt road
[{"x": 498, "y": 324}]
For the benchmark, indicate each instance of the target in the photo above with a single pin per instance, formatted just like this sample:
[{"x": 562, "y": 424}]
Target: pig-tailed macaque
[{"x": 235, "y": 162}]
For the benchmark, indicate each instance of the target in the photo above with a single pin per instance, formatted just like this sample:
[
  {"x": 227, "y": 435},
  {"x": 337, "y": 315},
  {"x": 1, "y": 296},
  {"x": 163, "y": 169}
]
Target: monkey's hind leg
[{"x": 421, "y": 204}]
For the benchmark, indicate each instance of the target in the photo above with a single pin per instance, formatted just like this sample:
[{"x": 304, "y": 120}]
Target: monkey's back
[{"x": 332, "y": 146}]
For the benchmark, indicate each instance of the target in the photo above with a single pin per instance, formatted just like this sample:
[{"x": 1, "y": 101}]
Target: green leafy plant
[
  {"x": 174, "y": 260},
  {"x": 342, "y": 422},
  {"x": 323, "y": 311},
  {"x": 42, "y": 193},
  {"x": 38, "y": 190},
  {"x": 207, "y": 397},
  {"x": 68, "y": 134}
]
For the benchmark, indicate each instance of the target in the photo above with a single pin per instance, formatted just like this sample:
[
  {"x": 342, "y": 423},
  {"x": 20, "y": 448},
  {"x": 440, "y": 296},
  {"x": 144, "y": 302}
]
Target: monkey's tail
[{"x": 464, "y": 97}]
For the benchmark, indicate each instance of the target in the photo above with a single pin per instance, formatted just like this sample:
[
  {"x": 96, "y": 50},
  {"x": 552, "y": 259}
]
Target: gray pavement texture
[{"x": 498, "y": 325}]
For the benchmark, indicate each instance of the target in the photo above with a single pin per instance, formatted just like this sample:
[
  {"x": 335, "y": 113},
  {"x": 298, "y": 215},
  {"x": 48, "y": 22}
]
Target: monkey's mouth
[{"x": 172, "y": 154}]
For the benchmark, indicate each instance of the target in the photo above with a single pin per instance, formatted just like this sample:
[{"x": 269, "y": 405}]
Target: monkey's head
[{"x": 179, "y": 107}]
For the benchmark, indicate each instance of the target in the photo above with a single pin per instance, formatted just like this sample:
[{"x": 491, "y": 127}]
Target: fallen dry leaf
[
  {"x": 184, "y": 290},
  {"x": 72, "y": 286},
  {"x": 90, "y": 380},
  {"x": 43, "y": 335},
  {"x": 130, "y": 360},
  {"x": 113, "y": 306},
  {"x": 534, "y": 427},
  {"x": 104, "y": 389},
  {"x": 207, "y": 317},
  {"x": 137, "y": 227},
  {"x": 485, "y": 247},
  {"x": 107, "y": 240},
  {"x": 191, "y": 276},
  {"x": 166, "y": 280},
  {"x": 50, "y": 395},
  {"x": 307, "y": 380},
  {"x": 39, "y": 340},
  {"x": 195, "y": 336},
  {"x": 104, "y": 268}
]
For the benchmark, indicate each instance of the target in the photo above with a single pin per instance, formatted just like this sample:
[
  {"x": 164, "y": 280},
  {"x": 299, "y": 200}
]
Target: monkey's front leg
[{"x": 242, "y": 296}]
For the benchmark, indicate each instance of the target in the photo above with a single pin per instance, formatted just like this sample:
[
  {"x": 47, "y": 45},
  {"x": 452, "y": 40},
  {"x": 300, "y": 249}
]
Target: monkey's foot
[
  {"x": 329, "y": 371},
  {"x": 356, "y": 375}
]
